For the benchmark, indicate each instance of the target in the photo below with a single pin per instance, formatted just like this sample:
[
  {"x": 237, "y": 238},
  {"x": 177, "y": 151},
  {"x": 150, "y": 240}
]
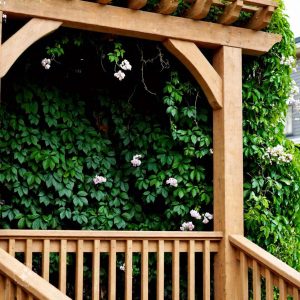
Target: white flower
[
  {"x": 172, "y": 181},
  {"x": 136, "y": 162},
  {"x": 208, "y": 216},
  {"x": 120, "y": 75},
  {"x": 205, "y": 220},
  {"x": 99, "y": 179},
  {"x": 187, "y": 226},
  {"x": 211, "y": 151},
  {"x": 46, "y": 63},
  {"x": 122, "y": 267},
  {"x": 278, "y": 155},
  {"x": 125, "y": 65},
  {"x": 195, "y": 214}
]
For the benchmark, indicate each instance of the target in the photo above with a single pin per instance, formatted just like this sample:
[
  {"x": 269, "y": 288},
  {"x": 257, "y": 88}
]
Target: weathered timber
[{"x": 141, "y": 24}]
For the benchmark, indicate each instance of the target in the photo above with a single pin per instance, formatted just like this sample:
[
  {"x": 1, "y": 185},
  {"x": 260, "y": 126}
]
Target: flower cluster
[
  {"x": 136, "y": 162},
  {"x": 288, "y": 61},
  {"x": 294, "y": 92},
  {"x": 187, "y": 226},
  {"x": 46, "y": 63},
  {"x": 172, "y": 181},
  {"x": 4, "y": 17},
  {"x": 99, "y": 179},
  {"x": 278, "y": 154},
  {"x": 205, "y": 217},
  {"x": 122, "y": 267},
  {"x": 126, "y": 66}
]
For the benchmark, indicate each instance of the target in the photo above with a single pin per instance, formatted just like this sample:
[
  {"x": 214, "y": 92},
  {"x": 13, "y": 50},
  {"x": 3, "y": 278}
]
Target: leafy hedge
[{"x": 76, "y": 120}]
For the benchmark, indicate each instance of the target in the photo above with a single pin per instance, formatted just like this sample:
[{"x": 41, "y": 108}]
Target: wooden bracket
[
  {"x": 22, "y": 39},
  {"x": 231, "y": 13},
  {"x": 261, "y": 18},
  {"x": 207, "y": 77},
  {"x": 199, "y": 9}
]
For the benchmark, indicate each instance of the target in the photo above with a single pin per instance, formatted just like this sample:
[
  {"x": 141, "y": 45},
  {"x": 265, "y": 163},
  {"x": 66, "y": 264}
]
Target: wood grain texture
[
  {"x": 206, "y": 76},
  {"x": 231, "y": 13},
  {"x": 27, "y": 279},
  {"x": 144, "y": 273},
  {"x": 141, "y": 24},
  {"x": 79, "y": 271},
  {"x": 46, "y": 260},
  {"x": 228, "y": 171},
  {"x": 160, "y": 271},
  {"x": 128, "y": 270},
  {"x": 175, "y": 271},
  {"x": 206, "y": 271},
  {"x": 96, "y": 271},
  {"x": 112, "y": 271},
  {"x": 256, "y": 281},
  {"x": 261, "y": 18},
  {"x": 277, "y": 266},
  {"x": 199, "y": 9},
  {"x": 62, "y": 266},
  {"x": 31, "y": 32}
]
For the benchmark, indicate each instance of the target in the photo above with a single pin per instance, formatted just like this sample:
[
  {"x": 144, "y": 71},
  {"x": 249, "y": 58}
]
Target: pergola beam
[{"x": 140, "y": 24}]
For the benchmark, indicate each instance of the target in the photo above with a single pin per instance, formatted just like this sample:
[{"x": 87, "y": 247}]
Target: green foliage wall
[{"x": 76, "y": 120}]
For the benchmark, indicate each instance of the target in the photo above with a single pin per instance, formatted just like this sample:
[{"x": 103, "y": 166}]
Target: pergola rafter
[{"x": 221, "y": 81}]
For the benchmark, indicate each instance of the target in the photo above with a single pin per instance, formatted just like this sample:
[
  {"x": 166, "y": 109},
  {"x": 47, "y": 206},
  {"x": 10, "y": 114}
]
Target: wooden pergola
[{"x": 221, "y": 82}]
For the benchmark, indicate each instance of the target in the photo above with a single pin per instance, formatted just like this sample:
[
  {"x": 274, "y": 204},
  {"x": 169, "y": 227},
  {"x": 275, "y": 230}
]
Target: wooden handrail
[
  {"x": 29, "y": 281},
  {"x": 108, "y": 235},
  {"x": 266, "y": 259}
]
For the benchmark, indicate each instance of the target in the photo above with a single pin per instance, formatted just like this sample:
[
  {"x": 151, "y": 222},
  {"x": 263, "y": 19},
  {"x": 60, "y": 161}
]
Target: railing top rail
[
  {"x": 265, "y": 258},
  {"x": 90, "y": 234},
  {"x": 27, "y": 279}
]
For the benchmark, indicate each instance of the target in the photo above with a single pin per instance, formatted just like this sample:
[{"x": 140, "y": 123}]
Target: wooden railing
[
  {"x": 270, "y": 277},
  {"x": 19, "y": 282},
  {"x": 179, "y": 253}
]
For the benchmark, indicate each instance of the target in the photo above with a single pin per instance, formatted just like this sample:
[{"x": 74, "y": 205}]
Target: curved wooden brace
[
  {"x": 167, "y": 7},
  {"x": 209, "y": 80},
  {"x": 22, "y": 39},
  {"x": 199, "y": 9},
  {"x": 231, "y": 13}
]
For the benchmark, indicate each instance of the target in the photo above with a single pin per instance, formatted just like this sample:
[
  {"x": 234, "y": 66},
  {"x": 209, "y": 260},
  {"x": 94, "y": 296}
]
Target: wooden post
[{"x": 228, "y": 170}]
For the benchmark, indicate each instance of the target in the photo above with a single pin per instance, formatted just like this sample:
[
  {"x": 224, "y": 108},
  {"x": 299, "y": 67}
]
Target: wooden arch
[{"x": 221, "y": 81}]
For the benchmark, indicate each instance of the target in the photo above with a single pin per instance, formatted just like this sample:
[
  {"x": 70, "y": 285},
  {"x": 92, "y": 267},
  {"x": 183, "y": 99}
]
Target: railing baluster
[
  {"x": 96, "y": 271},
  {"x": 46, "y": 259},
  {"x": 191, "y": 270},
  {"x": 256, "y": 280},
  {"x": 9, "y": 291},
  {"x": 269, "y": 285},
  {"x": 206, "y": 270},
  {"x": 112, "y": 271},
  {"x": 19, "y": 293},
  {"x": 63, "y": 266},
  {"x": 244, "y": 276},
  {"x": 160, "y": 271},
  {"x": 79, "y": 271},
  {"x": 295, "y": 293},
  {"x": 28, "y": 259},
  {"x": 282, "y": 289},
  {"x": 175, "y": 270},
  {"x": 28, "y": 254},
  {"x": 144, "y": 277},
  {"x": 128, "y": 271}
]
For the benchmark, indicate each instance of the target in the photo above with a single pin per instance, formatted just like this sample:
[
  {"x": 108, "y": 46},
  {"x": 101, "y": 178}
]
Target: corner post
[{"x": 228, "y": 171}]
